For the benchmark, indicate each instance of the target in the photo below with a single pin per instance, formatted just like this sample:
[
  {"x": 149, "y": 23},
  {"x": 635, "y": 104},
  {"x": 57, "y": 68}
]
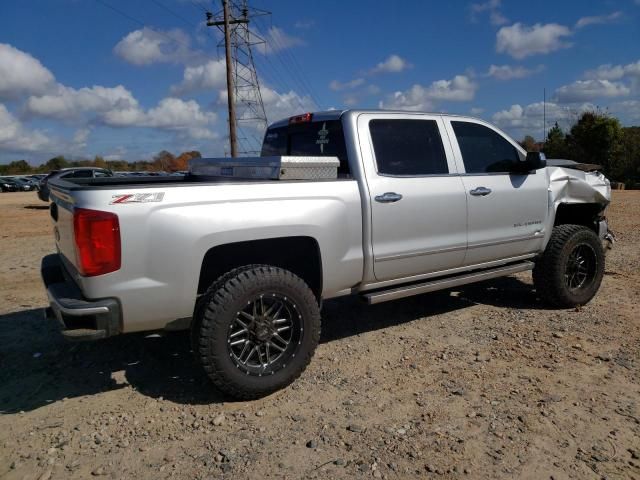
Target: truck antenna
[{"x": 544, "y": 115}]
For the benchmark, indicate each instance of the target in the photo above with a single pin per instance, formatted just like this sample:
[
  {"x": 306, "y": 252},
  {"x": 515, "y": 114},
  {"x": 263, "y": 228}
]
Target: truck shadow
[{"x": 39, "y": 367}]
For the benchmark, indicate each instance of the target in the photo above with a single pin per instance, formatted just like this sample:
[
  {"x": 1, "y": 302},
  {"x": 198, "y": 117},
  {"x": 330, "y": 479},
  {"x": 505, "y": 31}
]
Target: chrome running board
[{"x": 443, "y": 283}]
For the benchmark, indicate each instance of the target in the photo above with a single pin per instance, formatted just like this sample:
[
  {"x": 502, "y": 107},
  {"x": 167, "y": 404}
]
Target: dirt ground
[{"x": 479, "y": 382}]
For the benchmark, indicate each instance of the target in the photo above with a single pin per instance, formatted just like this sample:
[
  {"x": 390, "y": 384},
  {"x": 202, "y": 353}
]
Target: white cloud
[
  {"x": 21, "y": 74},
  {"x": 117, "y": 107},
  {"x": 277, "y": 39},
  {"x": 459, "y": 89},
  {"x": 628, "y": 111},
  {"x": 392, "y": 64},
  {"x": 615, "y": 72},
  {"x": 147, "y": 46},
  {"x": 491, "y": 6},
  {"x": 337, "y": 86},
  {"x": 81, "y": 137},
  {"x": 508, "y": 72},
  {"x": 512, "y": 117},
  {"x": 209, "y": 76},
  {"x": 14, "y": 137},
  {"x": 598, "y": 19},
  {"x": 174, "y": 114},
  {"x": 530, "y": 118},
  {"x": 66, "y": 103},
  {"x": 521, "y": 41},
  {"x": 476, "y": 110},
  {"x": 590, "y": 90},
  {"x": 283, "y": 105},
  {"x": 498, "y": 18}
]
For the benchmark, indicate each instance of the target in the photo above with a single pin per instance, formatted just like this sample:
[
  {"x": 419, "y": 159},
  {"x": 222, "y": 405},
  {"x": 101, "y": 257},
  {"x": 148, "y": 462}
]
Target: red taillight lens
[{"x": 97, "y": 236}]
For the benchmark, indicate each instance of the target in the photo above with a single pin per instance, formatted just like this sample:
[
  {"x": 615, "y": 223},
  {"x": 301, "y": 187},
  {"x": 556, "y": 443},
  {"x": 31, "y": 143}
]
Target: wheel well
[
  {"x": 299, "y": 255},
  {"x": 586, "y": 214}
]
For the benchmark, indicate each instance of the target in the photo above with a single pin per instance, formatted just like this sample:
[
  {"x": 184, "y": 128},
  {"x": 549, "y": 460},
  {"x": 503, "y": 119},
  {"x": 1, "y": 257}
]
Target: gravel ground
[{"x": 478, "y": 382}]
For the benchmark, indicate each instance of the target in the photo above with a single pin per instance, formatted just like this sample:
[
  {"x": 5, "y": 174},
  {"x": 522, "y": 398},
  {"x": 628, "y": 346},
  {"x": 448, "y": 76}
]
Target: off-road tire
[
  {"x": 204, "y": 300},
  {"x": 221, "y": 307},
  {"x": 552, "y": 269}
]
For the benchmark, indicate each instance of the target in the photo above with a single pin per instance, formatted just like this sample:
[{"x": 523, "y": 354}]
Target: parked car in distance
[
  {"x": 21, "y": 185},
  {"x": 69, "y": 173},
  {"x": 8, "y": 185},
  {"x": 24, "y": 181}
]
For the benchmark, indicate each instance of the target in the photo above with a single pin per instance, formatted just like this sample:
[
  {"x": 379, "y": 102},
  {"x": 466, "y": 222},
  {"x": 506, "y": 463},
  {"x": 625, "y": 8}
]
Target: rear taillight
[{"x": 97, "y": 236}]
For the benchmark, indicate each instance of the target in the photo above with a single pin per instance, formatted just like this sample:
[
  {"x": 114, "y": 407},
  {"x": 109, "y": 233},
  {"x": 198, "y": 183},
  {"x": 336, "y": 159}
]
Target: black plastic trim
[{"x": 79, "y": 318}]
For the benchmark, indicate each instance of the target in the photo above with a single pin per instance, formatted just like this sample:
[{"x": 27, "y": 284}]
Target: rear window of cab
[{"x": 312, "y": 139}]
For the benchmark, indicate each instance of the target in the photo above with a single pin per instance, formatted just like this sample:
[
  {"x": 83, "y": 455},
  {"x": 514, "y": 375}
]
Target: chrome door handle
[
  {"x": 388, "y": 197},
  {"x": 480, "y": 191}
]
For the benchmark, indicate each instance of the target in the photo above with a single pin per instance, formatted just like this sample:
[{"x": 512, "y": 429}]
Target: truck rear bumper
[{"x": 79, "y": 318}]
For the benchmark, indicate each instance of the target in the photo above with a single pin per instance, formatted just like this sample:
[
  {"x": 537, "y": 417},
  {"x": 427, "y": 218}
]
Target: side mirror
[{"x": 534, "y": 161}]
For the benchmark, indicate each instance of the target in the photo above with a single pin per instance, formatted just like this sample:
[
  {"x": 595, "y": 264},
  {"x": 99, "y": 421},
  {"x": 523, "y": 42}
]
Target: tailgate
[{"x": 61, "y": 211}]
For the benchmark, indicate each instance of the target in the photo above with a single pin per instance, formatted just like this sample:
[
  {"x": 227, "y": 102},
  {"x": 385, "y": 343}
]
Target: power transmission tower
[{"x": 247, "y": 116}]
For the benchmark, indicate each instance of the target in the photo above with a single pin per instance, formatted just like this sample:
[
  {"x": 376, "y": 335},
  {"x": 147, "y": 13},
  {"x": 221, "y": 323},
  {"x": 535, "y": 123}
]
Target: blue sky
[{"x": 126, "y": 79}]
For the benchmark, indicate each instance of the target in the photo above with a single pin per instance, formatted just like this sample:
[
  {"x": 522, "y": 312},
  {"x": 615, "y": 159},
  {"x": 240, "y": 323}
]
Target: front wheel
[
  {"x": 570, "y": 270},
  {"x": 258, "y": 329}
]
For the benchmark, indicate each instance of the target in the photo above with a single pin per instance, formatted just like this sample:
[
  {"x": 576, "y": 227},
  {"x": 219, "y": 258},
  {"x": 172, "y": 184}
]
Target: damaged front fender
[{"x": 568, "y": 185}]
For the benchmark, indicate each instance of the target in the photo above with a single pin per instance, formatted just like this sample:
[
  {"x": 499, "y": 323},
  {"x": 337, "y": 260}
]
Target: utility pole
[
  {"x": 244, "y": 98},
  {"x": 233, "y": 137}
]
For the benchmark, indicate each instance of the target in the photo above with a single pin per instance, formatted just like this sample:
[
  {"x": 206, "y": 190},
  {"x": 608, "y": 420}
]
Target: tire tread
[
  {"x": 547, "y": 273},
  {"x": 216, "y": 305}
]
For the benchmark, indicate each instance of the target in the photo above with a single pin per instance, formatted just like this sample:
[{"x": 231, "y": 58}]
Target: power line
[
  {"x": 291, "y": 66},
  {"x": 172, "y": 12},
  {"x": 142, "y": 24},
  {"x": 199, "y": 6},
  {"x": 296, "y": 71},
  {"x": 190, "y": 23}
]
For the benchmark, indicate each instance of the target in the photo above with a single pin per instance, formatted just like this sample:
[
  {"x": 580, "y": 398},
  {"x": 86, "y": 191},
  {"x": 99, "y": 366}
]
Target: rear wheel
[
  {"x": 258, "y": 329},
  {"x": 570, "y": 270}
]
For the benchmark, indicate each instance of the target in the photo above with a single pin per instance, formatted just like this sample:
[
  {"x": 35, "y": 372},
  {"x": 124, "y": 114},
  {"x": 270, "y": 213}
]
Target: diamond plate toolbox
[{"x": 267, "y": 168}]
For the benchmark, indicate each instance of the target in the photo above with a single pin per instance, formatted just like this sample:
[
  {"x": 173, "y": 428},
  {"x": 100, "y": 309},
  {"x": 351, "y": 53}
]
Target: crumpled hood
[{"x": 567, "y": 185}]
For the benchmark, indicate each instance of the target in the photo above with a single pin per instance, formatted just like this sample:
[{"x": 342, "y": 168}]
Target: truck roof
[{"x": 327, "y": 115}]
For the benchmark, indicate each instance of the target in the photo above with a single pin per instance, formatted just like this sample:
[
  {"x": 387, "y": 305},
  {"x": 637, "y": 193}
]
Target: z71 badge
[{"x": 137, "y": 198}]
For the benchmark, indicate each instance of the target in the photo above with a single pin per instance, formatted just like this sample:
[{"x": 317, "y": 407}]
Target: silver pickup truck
[{"x": 417, "y": 202}]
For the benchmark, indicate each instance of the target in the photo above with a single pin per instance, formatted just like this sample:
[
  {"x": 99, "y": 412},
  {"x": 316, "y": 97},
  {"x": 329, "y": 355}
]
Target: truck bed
[{"x": 108, "y": 183}]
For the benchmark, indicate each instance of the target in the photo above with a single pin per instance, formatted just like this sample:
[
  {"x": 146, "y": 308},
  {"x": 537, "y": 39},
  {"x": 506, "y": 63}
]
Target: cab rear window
[{"x": 313, "y": 139}]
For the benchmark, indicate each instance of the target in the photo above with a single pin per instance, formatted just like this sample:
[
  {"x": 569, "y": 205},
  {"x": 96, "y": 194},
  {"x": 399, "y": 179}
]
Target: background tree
[
  {"x": 182, "y": 161},
  {"x": 17, "y": 167},
  {"x": 56, "y": 163},
  {"x": 596, "y": 138},
  {"x": 529, "y": 144},
  {"x": 555, "y": 145},
  {"x": 99, "y": 162},
  {"x": 626, "y": 166},
  {"x": 162, "y": 160}
]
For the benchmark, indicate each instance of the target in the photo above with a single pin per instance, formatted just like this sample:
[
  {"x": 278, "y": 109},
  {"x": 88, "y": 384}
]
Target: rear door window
[{"x": 407, "y": 147}]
